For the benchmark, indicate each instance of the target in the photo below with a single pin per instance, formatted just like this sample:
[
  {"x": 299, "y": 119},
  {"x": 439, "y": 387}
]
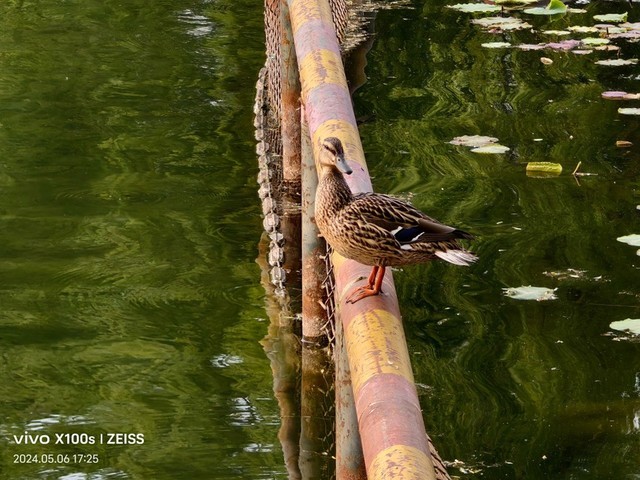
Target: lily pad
[
  {"x": 631, "y": 325},
  {"x": 633, "y": 240},
  {"x": 531, "y": 46},
  {"x": 582, "y": 29},
  {"x": 608, "y": 29},
  {"x": 500, "y": 24},
  {"x": 514, "y": 3},
  {"x": 611, "y": 17},
  {"x": 619, "y": 95},
  {"x": 595, "y": 41},
  {"x": 556, "y": 32},
  {"x": 496, "y": 45},
  {"x": 491, "y": 148},
  {"x": 539, "y": 294},
  {"x": 473, "y": 140},
  {"x": 554, "y": 7},
  {"x": 475, "y": 7},
  {"x": 617, "y": 62},
  {"x": 629, "y": 111},
  {"x": 607, "y": 48},
  {"x": 564, "y": 45}
]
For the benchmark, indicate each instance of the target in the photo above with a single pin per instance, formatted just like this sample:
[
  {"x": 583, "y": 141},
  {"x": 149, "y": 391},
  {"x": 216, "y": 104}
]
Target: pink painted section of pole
[{"x": 394, "y": 439}]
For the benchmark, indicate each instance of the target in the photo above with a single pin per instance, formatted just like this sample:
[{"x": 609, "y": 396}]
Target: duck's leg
[{"x": 371, "y": 289}]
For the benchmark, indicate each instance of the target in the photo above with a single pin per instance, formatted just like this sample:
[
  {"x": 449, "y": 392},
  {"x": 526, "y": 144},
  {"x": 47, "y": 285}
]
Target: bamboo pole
[
  {"x": 290, "y": 103},
  {"x": 394, "y": 439},
  {"x": 314, "y": 317}
]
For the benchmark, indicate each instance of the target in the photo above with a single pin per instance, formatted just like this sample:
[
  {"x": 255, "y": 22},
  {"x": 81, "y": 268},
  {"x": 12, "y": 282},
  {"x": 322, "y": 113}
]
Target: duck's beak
[{"x": 341, "y": 164}]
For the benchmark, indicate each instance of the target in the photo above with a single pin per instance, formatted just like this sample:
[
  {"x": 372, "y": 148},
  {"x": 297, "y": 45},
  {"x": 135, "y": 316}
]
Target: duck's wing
[{"x": 406, "y": 223}]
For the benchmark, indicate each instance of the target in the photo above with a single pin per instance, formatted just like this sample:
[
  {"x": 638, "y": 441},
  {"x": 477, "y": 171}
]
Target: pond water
[{"x": 130, "y": 298}]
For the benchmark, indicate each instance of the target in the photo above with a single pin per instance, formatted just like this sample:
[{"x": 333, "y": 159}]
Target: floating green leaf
[
  {"x": 631, "y": 325},
  {"x": 553, "y": 8},
  {"x": 475, "y": 7},
  {"x": 633, "y": 240},
  {"x": 530, "y": 293},
  {"x": 498, "y": 24},
  {"x": 595, "y": 41},
  {"x": 611, "y": 17},
  {"x": 491, "y": 148},
  {"x": 514, "y": 3}
]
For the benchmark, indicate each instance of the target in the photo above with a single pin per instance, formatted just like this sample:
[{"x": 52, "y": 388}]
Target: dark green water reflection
[
  {"x": 129, "y": 297},
  {"x": 515, "y": 389}
]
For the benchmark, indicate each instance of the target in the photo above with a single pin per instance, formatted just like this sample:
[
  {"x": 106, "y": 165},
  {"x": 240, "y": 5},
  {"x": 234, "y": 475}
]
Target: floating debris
[
  {"x": 538, "y": 294},
  {"x": 623, "y": 144},
  {"x": 546, "y": 60},
  {"x": 545, "y": 168},
  {"x": 564, "y": 274}
]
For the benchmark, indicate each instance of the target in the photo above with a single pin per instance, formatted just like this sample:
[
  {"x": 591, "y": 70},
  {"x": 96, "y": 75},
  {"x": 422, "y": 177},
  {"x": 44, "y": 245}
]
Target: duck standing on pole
[{"x": 376, "y": 229}]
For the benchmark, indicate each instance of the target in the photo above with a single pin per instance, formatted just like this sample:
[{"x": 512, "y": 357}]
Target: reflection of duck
[{"x": 375, "y": 229}]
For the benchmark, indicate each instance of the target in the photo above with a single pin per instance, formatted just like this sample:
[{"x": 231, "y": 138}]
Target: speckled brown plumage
[{"x": 376, "y": 229}]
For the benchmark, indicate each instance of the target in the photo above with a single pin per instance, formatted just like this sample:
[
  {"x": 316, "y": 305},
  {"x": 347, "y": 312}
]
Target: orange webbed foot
[{"x": 362, "y": 292}]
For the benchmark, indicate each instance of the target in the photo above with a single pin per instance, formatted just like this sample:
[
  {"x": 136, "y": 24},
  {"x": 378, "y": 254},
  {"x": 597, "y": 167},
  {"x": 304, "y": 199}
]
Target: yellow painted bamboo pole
[{"x": 393, "y": 435}]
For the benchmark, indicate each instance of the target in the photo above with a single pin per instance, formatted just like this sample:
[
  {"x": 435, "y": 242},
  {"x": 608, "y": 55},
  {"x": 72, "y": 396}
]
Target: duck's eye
[{"x": 330, "y": 148}]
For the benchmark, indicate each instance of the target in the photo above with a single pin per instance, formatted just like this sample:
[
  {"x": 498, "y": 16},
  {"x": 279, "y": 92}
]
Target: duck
[{"x": 375, "y": 229}]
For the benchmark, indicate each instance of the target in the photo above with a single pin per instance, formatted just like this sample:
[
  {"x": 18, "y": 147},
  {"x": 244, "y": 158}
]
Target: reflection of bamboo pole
[
  {"x": 314, "y": 427},
  {"x": 390, "y": 421},
  {"x": 349, "y": 459},
  {"x": 282, "y": 348}
]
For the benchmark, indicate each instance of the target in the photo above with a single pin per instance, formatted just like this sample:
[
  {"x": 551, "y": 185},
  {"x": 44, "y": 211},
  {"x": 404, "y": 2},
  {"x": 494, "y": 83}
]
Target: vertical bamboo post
[
  {"x": 313, "y": 266},
  {"x": 290, "y": 130},
  {"x": 290, "y": 120}
]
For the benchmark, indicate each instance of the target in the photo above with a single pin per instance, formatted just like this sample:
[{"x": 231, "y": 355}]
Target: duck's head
[{"x": 332, "y": 156}]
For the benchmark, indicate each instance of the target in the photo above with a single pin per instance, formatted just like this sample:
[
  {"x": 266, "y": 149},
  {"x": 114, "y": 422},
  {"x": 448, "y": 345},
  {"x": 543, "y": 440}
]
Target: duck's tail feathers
[{"x": 457, "y": 257}]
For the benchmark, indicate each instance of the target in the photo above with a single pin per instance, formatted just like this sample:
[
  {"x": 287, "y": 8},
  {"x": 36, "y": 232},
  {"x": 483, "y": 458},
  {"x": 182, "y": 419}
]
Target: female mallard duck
[{"x": 375, "y": 229}]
